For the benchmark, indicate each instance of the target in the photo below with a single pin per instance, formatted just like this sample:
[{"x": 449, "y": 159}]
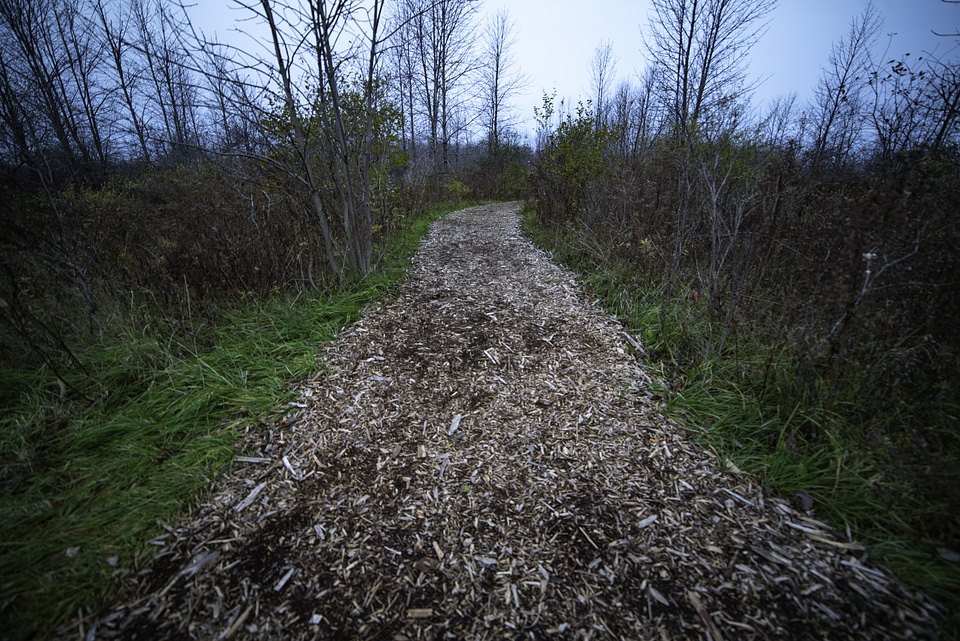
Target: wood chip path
[{"x": 481, "y": 459}]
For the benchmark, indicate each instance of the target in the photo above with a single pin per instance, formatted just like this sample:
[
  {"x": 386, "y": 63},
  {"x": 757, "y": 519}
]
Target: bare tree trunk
[
  {"x": 174, "y": 95},
  {"x": 14, "y": 117},
  {"x": 945, "y": 90},
  {"x": 301, "y": 141},
  {"x": 366, "y": 153},
  {"x": 443, "y": 46},
  {"x": 355, "y": 220},
  {"x": 83, "y": 59}
]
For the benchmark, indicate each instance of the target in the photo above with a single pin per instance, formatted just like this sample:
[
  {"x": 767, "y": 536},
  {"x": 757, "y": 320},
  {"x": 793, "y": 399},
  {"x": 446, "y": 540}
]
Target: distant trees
[
  {"x": 500, "y": 80},
  {"x": 864, "y": 108},
  {"x": 92, "y": 82},
  {"x": 700, "y": 184},
  {"x": 439, "y": 61},
  {"x": 603, "y": 68},
  {"x": 699, "y": 49},
  {"x": 97, "y": 82},
  {"x": 839, "y": 103},
  {"x": 636, "y": 114}
]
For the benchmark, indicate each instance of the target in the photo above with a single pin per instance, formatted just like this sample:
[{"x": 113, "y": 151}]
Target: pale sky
[{"x": 556, "y": 39}]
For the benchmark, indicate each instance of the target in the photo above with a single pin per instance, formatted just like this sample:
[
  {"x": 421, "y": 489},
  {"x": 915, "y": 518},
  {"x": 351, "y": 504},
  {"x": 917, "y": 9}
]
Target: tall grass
[
  {"x": 94, "y": 461},
  {"x": 755, "y": 410}
]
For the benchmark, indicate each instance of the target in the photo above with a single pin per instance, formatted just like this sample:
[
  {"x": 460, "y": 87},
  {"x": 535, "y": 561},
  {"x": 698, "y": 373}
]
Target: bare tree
[
  {"x": 651, "y": 117},
  {"x": 403, "y": 73},
  {"x": 839, "y": 105},
  {"x": 441, "y": 32},
  {"x": 501, "y": 79},
  {"x": 119, "y": 51},
  {"x": 351, "y": 162},
  {"x": 634, "y": 114},
  {"x": 700, "y": 48},
  {"x": 33, "y": 66},
  {"x": 93, "y": 81},
  {"x": 915, "y": 105},
  {"x": 306, "y": 171},
  {"x": 603, "y": 68},
  {"x": 623, "y": 107},
  {"x": 779, "y": 126},
  {"x": 173, "y": 95},
  {"x": 16, "y": 128},
  {"x": 898, "y": 104},
  {"x": 943, "y": 112},
  {"x": 83, "y": 53}
]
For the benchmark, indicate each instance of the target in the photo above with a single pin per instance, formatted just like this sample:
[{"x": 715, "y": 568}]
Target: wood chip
[
  {"x": 697, "y": 604},
  {"x": 647, "y": 521},
  {"x": 250, "y": 498},
  {"x": 282, "y": 582},
  {"x": 455, "y": 424}
]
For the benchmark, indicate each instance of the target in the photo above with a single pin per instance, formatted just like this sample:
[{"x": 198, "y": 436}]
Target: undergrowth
[
  {"x": 96, "y": 460},
  {"x": 754, "y": 409}
]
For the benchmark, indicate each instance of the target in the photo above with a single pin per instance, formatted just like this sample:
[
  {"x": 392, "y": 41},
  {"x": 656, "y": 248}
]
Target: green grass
[
  {"x": 792, "y": 446},
  {"x": 752, "y": 408},
  {"x": 91, "y": 469}
]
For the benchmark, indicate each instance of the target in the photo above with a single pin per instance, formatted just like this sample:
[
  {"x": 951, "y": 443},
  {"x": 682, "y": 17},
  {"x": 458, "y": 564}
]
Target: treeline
[
  {"x": 148, "y": 168},
  {"x": 801, "y": 261}
]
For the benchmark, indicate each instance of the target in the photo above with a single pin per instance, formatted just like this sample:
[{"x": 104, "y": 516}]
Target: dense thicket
[{"x": 807, "y": 255}]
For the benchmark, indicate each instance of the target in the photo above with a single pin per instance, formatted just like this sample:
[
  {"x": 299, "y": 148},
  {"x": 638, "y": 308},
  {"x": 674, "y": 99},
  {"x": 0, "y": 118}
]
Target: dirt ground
[{"x": 482, "y": 458}]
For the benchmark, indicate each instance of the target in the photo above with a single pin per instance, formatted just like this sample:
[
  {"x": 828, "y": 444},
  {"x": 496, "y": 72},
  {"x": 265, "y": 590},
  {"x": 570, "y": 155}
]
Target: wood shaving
[{"x": 481, "y": 458}]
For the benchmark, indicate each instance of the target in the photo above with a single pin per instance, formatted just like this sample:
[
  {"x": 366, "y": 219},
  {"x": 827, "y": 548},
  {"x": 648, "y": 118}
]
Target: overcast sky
[{"x": 556, "y": 39}]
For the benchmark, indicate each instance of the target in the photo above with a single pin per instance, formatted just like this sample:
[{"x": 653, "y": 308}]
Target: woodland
[{"x": 183, "y": 221}]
